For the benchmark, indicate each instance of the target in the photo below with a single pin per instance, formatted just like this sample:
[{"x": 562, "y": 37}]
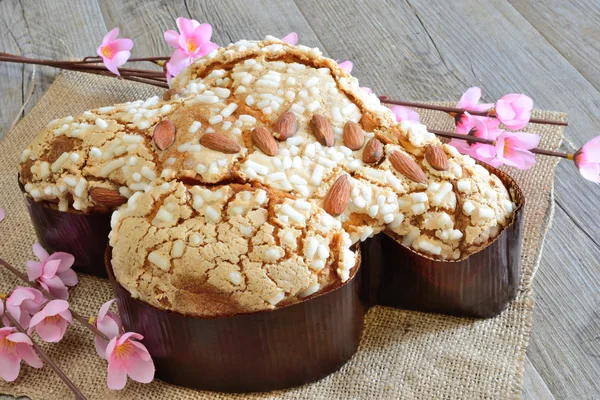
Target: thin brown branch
[
  {"x": 39, "y": 287},
  {"x": 453, "y": 110},
  {"x": 48, "y": 360},
  {"x": 470, "y": 138},
  {"x": 150, "y": 77}
]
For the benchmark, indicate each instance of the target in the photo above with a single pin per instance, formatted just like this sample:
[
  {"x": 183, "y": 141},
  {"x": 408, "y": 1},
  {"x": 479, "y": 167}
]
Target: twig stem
[
  {"x": 48, "y": 360},
  {"x": 37, "y": 286},
  {"x": 490, "y": 113}
]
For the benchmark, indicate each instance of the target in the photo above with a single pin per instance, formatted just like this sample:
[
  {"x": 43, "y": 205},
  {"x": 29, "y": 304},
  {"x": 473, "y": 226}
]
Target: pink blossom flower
[
  {"x": 14, "y": 347},
  {"x": 51, "y": 323},
  {"x": 470, "y": 100},
  {"x": 484, "y": 128},
  {"x": 108, "y": 323},
  {"x": 405, "y": 114},
  {"x": 2, "y": 214},
  {"x": 128, "y": 357},
  {"x": 366, "y": 89},
  {"x": 22, "y": 304},
  {"x": 587, "y": 160},
  {"x": 346, "y": 66},
  {"x": 192, "y": 41},
  {"x": 512, "y": 149},
  {"x": 53, "y": 272},
  {"x": 514, "y": 110},
  {"x": 114, "y": 52},
  {"x": 290, "y": 38}
]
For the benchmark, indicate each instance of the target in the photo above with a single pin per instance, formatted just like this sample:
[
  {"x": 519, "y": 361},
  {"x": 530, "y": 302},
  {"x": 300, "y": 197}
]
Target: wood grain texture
[
  {"x": 413, "y": 50},
  {"x": 571, "y": 27},
  {"x": 60, "y": 29},
  {"x": 534, "y": 387}
]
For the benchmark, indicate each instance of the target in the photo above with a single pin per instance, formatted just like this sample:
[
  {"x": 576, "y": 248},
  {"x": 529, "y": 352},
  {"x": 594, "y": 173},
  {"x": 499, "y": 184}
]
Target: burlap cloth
[{"x": 402, "y": 354}]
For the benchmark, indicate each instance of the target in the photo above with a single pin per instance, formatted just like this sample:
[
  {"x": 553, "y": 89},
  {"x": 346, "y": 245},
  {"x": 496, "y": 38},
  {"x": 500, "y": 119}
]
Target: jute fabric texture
[{"x": 403, "y": 354}]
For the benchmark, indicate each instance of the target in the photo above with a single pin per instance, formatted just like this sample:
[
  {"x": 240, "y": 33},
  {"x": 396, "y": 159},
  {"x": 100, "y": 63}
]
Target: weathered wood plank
[
  {"x": 57, "y": 30},
  {"x": 14, "y": 40},
  {"x": 571, "y": 27},
  {"x": 564, "y": 345},
  {"x": 425, "y": 50},
  {"x": 534, "y": 387},
  {"x": 231, "y": 20}
]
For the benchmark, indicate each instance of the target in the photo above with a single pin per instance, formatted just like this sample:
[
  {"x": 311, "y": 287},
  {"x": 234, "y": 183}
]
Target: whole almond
[
  {"x": 437, "y": 158},
  {"x": 373, "y": 151},
  {"x": 218, "y": 142},
  {"x": 354, "y": 137},
  {"x": 322, "y": 130},
  {"x": 262, "y": 138},
  {"x": 337, "y": 199},
  {"x": 286, "y": 126},
  {"x": 407, "y": 167},
  {"x": 107, "y": 197},
  {"x": 164, "y": 134}
]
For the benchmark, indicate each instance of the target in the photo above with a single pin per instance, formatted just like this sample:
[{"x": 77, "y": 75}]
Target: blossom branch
[
  {"x": 37, "y": 286},
  {"x": 155, "y": 78},
  {"x": 46, "y": 358},
  {"x": 490, "y": 113},
  {"x": 475, "y": 139}
]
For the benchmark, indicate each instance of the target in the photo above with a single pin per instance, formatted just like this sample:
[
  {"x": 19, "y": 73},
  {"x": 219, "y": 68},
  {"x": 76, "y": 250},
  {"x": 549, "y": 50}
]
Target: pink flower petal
[
  {"x": 116, "y": 377},
  {"x": 140, "y": 370},
  {"x": 34, "y": 270},
  {"x": 121, "y": 58},
  {"x": 66, "y": 315},
  {"x": 346, "y": 66},
  {"x": 50, "y": 268},
  {"x": 104, "y": 309},
  {"x": 590, "y": 171},
  {"x": 110, "y": 36},
  {"x": 111, "y": 65},
  {"x": 100, "y": 345},
  {"x": 527, "y": 140},
  {"x": 203, "y": 32},
  {"x": 290, "y": 38},
  {"x": 40, "y": 252},
  {"x": 128, "y": 336},
  {"x": 10, "y": 365},
  {"x": 207, "y": 48},
  {"x": 29, "y": 355},
  {"x": 18, "y": 337},
  {"x": 55, "y": 307},
  {"x": 504, "y": 111},
  {"x": 172, "y": 38},
  {"x": 405, "y": 114},
  {"x": 69, "y": 277},
  {"x": 55, "y": 286},
  {"x": 141, "y": 350},
  {"x": 122, "y": 44},
  {"x": 2, "y": 214},
  {"x": 51, "y": 332},
  {"x": 470, "y": 98},
  {"x": 186, "y": 26}
]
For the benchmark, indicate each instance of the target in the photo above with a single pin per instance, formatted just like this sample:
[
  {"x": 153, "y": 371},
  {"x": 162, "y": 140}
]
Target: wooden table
[{"x": 412, "y": 50}]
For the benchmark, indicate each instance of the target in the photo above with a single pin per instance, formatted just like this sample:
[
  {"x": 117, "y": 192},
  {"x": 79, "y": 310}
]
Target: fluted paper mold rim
[
  {"x": 249, "y": 352},
  {"x": 84, "y": 235}
]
